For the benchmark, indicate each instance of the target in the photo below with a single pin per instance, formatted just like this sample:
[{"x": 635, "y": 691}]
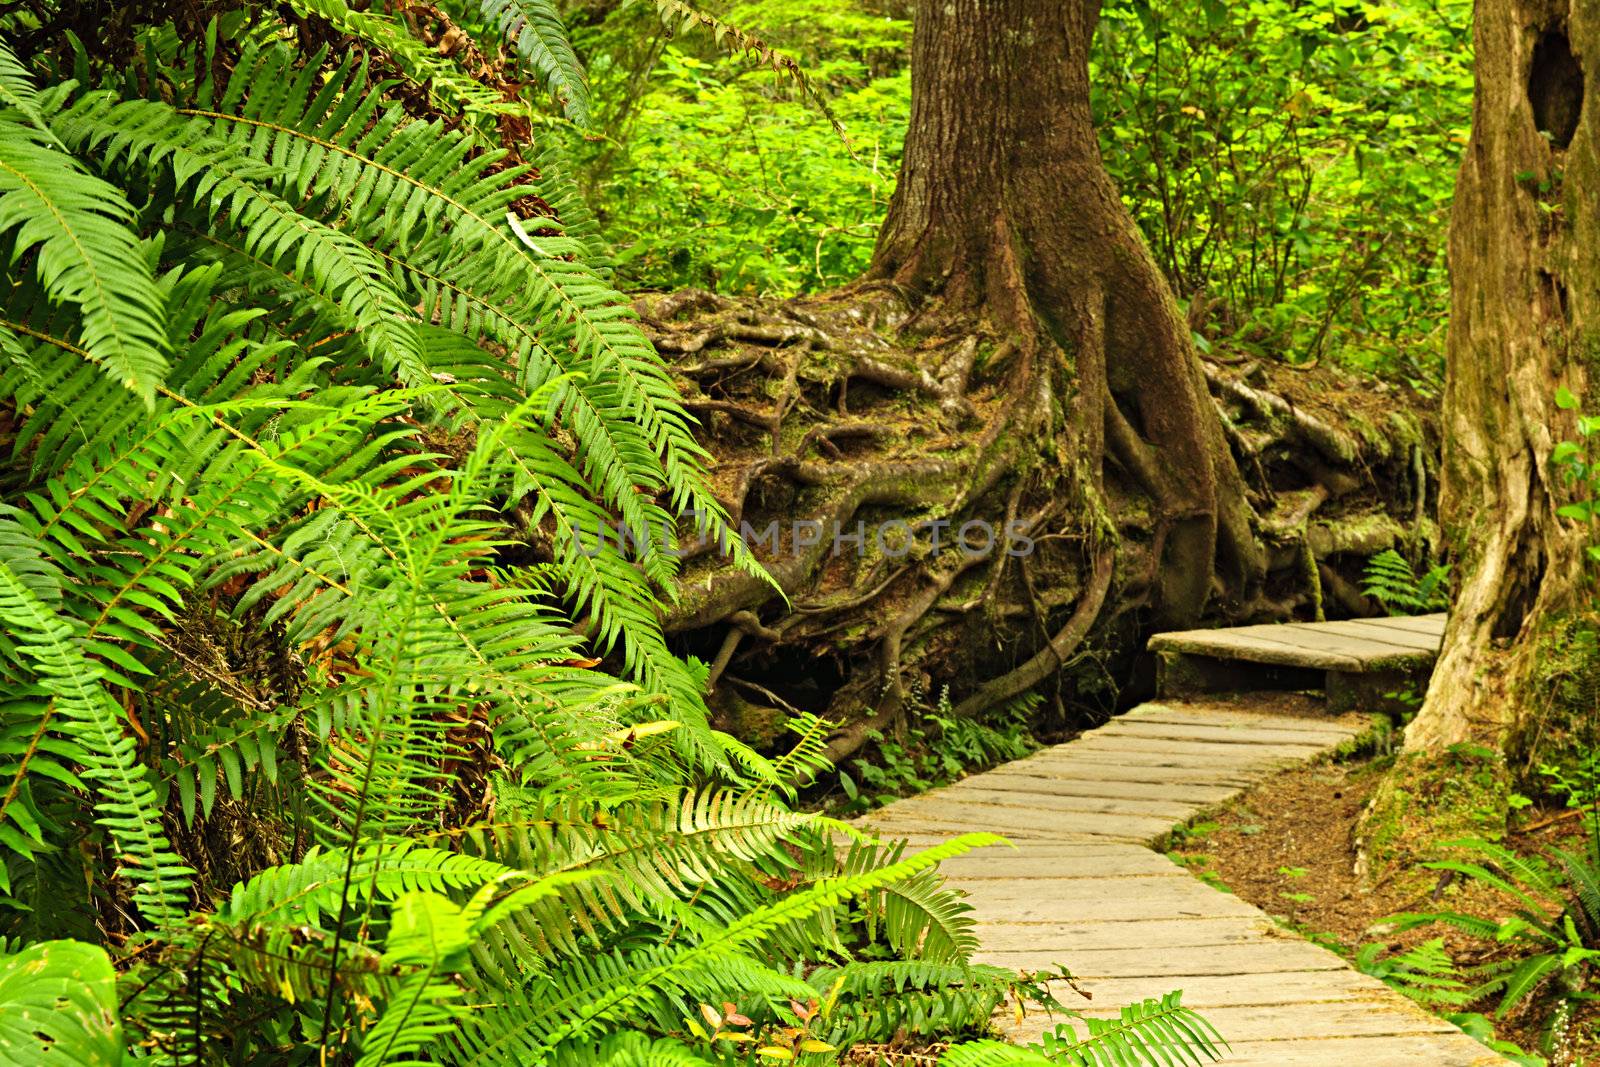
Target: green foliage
[
  {"x": 1291, "y": 166},
  {"x": 535, "y": 29},
  {"x": 1155, "y": 1031},
  {"x": 1481, "y": 1029},
  {"x": 1424, "y": 972},
  {"x": 327, "y": 734},
  {"x": 58, "y": 1004},
  {"x": 937, "y": 750},
  {"x": 1554, "y": 928},
  {"x": 1392, "y": 582},
  {"x": 720, "y": 171}
]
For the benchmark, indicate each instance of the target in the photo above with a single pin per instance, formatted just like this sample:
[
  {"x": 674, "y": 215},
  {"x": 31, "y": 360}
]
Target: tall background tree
[
  {"x": 1013, "y": 357},
  {"x": 1524, "y": 256}
]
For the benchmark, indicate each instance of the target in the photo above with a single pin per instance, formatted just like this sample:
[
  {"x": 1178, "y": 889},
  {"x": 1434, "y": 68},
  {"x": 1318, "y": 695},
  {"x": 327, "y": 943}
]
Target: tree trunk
[
  {"x": 1004, "y": 212},
  {"x": 1015, "y": 359},
  {"x": 1525, "y": 306}
]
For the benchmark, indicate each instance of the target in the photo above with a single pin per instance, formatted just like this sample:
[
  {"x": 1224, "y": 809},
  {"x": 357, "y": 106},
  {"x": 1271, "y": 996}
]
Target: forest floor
[{"x": 1288, "y": 846}]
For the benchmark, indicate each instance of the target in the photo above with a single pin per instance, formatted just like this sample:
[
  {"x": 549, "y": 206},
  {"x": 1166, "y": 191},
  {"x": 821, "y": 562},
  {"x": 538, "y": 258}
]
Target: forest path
[{"x": 1084, "y": 888}]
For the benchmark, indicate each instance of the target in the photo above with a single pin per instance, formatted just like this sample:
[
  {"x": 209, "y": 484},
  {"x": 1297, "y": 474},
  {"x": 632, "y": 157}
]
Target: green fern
[
  {"x": 534, "y": 28},
  {"x": 296, "y": 726},
  {"x": 1392, "y": 582},
  {"x": 1157, "y": 1032}
]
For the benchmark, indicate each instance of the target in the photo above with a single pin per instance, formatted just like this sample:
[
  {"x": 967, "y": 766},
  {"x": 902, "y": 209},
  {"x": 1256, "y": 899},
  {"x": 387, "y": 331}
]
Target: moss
[
  {"x": 1587, "y": 350},
  {"x": 1380, "y": 444},
  {"x": 1566, "y": 697},
  {"x": 1405, "y": 428},
  {"x": 1425, "y": 800}
]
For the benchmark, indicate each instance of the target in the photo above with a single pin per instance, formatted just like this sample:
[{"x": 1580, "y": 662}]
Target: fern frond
[
  {"x": 127, "y": 808},
  {"x": 77, "y": 230},
  {"x": 535, "y": 30}
]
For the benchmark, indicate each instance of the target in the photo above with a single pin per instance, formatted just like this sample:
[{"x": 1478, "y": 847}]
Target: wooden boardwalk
[{"x": 1083, "y": 888}]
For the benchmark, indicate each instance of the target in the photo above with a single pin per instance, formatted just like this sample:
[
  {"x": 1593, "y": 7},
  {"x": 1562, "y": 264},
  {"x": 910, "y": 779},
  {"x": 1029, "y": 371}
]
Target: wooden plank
[
  {"x": 1195, "y": 713},
  {"x": 1119, "y": 827},
  {"x": 1094, "y": 768},
  {"x": 1196, "y": 794},
  {"x": 1249, "y": 957},
  {"x": 1068, "y": 938},
  {"x": 1328, "y": 637},
  {"x": 1292, "y": 646},
  {"x": 1372, "y": 630},
  {"x": 1231, "y": 991},
  {"x": 1129, "y": 741},
  {"x": 1214, "y": 759},
  {"x": 975, "y": 790},
  {"x": 1008, "y": 864},
  {"x": 1033, "y": 900},
  {"x": 1226, "y": 733},
  {"x": 1230, "y": 644},
  {"x": 1333, "y": 1021},
  {"x": 1079, "y": 890},
  {"x": 1432, "y": 1050},
  {"x": 1422, "y": 624}
]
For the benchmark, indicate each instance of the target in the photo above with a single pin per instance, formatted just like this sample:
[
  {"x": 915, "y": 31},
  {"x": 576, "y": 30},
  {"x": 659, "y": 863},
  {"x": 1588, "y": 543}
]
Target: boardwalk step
[{"x": 1356, "y": 661}]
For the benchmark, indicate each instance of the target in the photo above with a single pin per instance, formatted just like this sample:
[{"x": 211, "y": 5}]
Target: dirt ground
[{"x": 1287, "y": 846}]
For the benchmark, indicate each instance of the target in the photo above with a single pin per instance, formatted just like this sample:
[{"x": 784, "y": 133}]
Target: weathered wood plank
[
  {"x": 1023, "y": 863},
  {"x": 1333, "y": 1021},
  {"x": 1249, "y": 957},
  {"x": 1425, "y": 624},
  {"x": 1112, "y": 741},
  {"x": 1032, "y": 900},
  {"x": 896, "y": 821},
  {"x": 1374, "y": 630},
  {"x": 977, "y": 791},
  {"x": 1232, "y": 991},
  {"x": 1230, "y": 644},
  {"x": 1225, "y": 733},
  {"x": 1349, "y": 645},
  {"x": 1090, "y": 785},
  {"x": 1431, "y": 1050},
  {"x": 1067, "y": 938},
  {"x": 1097, "y": 769}
]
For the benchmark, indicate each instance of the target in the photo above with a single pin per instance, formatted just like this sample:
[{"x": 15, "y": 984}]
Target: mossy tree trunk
[{"x": 1525, "y": 320}]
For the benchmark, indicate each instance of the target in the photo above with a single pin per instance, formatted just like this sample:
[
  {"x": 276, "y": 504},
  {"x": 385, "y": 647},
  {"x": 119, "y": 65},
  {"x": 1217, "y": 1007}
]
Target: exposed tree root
[{"x": 930, "y": 532}]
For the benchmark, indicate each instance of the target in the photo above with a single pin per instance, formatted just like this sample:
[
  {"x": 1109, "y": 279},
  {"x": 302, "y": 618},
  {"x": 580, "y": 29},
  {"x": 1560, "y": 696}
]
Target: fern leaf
[
  {"x": 535, "y": 30},
  {"x": 78, "y": 231},
  {"x": 128, "y": 808}
]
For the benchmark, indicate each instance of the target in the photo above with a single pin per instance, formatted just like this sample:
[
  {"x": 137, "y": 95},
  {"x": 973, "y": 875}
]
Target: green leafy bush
[
  {"x": 1292, "y": 166},
  {"x": 719, "y": 172}
]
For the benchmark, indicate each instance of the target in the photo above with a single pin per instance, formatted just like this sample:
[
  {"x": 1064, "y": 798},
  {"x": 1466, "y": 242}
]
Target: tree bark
[
  {"x": 1004, "y": 212},
  {"x": 1525, "y": 305}
]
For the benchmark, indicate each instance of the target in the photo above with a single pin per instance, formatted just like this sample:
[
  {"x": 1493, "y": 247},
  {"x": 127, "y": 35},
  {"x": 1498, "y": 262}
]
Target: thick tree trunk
[
  {"x": 1004, "y": 212},
  {"x": 1014, "y": 360},
  {"x": 1525, "y": 307}
]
